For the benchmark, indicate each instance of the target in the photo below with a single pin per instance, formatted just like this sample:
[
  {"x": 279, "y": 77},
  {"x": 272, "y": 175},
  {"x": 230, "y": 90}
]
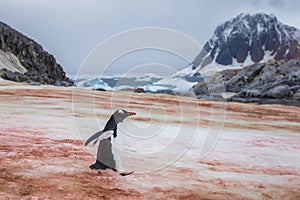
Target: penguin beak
[{"x": 132, "y": 113}]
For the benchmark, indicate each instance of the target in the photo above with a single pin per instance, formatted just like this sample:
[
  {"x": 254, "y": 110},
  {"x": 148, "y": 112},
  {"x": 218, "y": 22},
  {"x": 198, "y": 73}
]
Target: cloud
[{"x": 69, "y": 29}]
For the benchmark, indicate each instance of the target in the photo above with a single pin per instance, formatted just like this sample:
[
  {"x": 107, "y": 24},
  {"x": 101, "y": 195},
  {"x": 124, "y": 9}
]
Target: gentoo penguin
[{"x": 105, "y": 158}]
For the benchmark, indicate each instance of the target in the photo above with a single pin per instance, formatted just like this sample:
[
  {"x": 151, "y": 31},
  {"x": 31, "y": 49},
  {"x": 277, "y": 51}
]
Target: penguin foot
[
  {"x": 126, "y": 173},
  {"x": 99, "y": 166}
]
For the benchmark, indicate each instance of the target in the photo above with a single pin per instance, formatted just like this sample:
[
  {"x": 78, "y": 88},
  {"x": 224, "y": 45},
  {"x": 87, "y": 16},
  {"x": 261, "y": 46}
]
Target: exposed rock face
[
  {"x": 40, "y": 65},
  {"x": 253, "y": 35},
  {"x": 248, "y": 39},
  {"x": 269, "y": 49},
  {"x": 271, "y": 82}
]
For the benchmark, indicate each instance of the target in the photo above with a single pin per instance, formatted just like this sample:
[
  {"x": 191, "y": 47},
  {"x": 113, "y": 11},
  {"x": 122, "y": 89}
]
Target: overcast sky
[{"x": 70, "y": 29}]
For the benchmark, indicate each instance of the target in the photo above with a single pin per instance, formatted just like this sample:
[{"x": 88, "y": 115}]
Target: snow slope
[
  {"x": 10, "y": 62},
  {"x": 43, "y": 156}
]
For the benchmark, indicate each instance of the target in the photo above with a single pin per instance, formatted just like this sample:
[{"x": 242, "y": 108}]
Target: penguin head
[{"x": 120, "y": 115}]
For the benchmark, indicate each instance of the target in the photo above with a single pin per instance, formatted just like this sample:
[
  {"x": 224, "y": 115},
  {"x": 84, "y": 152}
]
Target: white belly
[{"x": 117, "y": 149}]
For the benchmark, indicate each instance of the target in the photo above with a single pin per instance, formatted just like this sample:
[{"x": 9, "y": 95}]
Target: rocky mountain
[
  {"x": 24, "y": 60},
  {"x": 251, "y": 58},
  {"x": 247, "y": 39}
]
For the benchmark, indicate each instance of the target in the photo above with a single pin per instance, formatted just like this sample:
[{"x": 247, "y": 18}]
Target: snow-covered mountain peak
[
  {"x": 250, "y": 25},
  {"x": 247, "y": 39}
]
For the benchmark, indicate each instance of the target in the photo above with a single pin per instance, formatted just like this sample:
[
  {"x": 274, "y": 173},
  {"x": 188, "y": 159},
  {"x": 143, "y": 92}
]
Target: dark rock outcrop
[
  {"x": 41, "y": 66},
  {"x": 271, "y": 82},
  {"x": 139, "y": 90},
  {"x": 13, "y": 76}
]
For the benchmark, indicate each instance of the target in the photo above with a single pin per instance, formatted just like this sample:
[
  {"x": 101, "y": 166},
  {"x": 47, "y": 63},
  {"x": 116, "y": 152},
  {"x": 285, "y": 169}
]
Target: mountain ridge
[
  {"x": 247, "y": 39},
  {"x": 40, "y": 65}
]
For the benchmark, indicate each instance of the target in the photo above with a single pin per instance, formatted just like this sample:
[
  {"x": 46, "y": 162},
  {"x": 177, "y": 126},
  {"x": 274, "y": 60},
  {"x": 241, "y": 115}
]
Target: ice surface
[
  {"x": 154, "y": 88},
  {"x": 185, "y": 71},
  {"x": 179, "y": 85},
  {"x": 175, "y": 83}
]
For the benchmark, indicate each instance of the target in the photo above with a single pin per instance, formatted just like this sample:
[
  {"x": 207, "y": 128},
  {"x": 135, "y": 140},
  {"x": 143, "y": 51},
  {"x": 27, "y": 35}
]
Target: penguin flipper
[
  {"x": 106, "y": 135},
  {"x": 93, "y": 137},
  {"x": 95, "y": 141}
]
